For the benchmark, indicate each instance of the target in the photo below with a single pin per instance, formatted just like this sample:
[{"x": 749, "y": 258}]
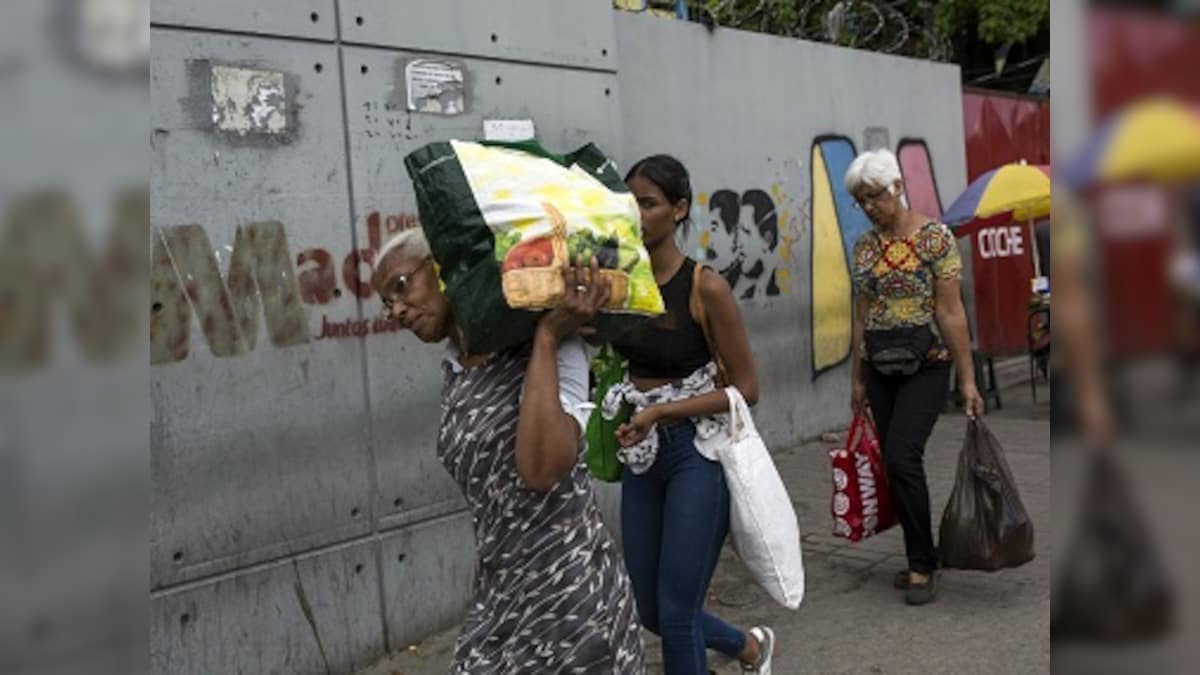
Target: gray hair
[
  {"x": 876, "y": 168},
  {"x": 410, "y": 243}
]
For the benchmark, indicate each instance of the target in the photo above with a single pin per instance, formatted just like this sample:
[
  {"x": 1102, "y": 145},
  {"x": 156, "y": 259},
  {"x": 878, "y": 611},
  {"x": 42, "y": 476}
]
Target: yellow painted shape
[
  {"x": 702, "y": 199},
  {"x": 831, "y": 304},
  {"x": 783, "y": 277}
]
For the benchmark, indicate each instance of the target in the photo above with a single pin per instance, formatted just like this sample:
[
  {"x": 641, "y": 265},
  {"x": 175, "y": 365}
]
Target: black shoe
[
  {"x": 900, "y": 581},
  {"x": 922, "y": 593}
]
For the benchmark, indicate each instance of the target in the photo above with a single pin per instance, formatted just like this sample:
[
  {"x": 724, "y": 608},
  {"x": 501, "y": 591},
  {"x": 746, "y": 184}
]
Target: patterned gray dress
[{"x": 551, "y": 592}]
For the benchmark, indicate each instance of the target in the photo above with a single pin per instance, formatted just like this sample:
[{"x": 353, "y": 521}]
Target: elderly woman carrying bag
[{"x": 906, "y": 279}]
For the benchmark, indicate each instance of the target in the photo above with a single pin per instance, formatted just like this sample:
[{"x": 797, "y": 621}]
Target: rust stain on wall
[
  {"x": 260, "y": 275},
  {"x": 48, "y": 259}
]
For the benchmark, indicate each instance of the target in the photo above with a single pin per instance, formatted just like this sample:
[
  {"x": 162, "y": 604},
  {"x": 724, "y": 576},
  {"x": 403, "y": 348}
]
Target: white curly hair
[{"x": 876, "y": 168}]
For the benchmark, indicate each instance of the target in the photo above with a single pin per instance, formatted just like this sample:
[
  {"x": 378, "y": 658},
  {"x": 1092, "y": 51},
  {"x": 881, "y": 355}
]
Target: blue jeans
[{"x": 674, "y": 519}]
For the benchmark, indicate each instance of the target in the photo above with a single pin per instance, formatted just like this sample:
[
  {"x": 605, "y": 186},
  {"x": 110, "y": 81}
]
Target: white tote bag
[{"x": 762, "y": 521}]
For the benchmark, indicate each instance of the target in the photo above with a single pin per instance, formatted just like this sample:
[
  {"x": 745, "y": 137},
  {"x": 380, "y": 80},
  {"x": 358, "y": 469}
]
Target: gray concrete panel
[
  {"x": 428, "y": 573},
  {"x": 568, "y": 108},
  {"x": 266, "y": 443},
  {"x": 259, "y": 431},
  {"x": 299, "y": 18},
  {"x": 316, "y": 614},
  {"x": 579, "y": 33}
]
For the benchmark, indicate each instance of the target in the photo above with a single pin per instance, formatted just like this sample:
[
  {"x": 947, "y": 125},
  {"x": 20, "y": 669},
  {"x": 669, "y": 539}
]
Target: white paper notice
[
  {"x": 508, "y": 130},
  {"x": 435, "y": 86}
]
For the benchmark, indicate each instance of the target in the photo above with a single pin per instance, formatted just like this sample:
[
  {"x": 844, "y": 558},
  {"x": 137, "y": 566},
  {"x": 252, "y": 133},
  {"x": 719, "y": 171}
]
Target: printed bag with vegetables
[
  {"x": 502, "y": 220},
  {"x": 609, "y": 368}
]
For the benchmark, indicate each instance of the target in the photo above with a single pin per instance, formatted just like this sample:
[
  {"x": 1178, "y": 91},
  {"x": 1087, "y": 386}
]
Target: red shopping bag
[{"x": 862, "y": 504}]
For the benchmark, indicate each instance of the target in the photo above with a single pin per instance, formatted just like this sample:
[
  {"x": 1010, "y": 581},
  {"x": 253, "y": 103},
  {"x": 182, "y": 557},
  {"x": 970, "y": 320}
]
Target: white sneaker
[{"x": 766, "y": 647}]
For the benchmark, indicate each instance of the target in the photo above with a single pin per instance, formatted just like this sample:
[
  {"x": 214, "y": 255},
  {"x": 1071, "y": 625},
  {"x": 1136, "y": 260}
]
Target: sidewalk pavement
[{"x": 852, "y": 620}]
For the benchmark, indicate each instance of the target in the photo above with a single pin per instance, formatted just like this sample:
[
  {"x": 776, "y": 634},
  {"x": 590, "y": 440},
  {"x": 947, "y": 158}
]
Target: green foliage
[
  {"x": 903, "y": 27},
  {"x": 997, "y": 21}
]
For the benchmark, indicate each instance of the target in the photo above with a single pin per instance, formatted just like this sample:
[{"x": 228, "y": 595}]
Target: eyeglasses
[
  {"x": 871, "y": 198},
  {"x": 398, "y": 287}
]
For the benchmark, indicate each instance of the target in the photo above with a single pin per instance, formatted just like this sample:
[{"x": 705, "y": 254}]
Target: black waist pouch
[{"x": 899, "y": 351}]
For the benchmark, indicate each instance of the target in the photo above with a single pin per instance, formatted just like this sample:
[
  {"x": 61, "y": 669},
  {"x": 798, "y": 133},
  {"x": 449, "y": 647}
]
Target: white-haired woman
[
  {"x": 551, "y": 593},
  {"x": 907, "y": 274}
]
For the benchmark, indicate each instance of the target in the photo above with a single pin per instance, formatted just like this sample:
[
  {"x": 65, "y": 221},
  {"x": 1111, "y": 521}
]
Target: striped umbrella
[
  {"x": 1156, "y": 139},
  {"x": 1021, "y": 189}
]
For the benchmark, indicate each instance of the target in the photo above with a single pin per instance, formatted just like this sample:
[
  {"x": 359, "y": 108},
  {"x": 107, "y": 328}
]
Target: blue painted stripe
[{"x": 838, "y": 153}]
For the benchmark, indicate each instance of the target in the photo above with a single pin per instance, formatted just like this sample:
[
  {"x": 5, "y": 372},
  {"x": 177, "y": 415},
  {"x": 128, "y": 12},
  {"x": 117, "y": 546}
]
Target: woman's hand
[
  {"x": 586, "y": 293},
  {"x": 638, "y": 427},
  {"x": 858, "y": 397},
  {"x": 973, "y": 404}
]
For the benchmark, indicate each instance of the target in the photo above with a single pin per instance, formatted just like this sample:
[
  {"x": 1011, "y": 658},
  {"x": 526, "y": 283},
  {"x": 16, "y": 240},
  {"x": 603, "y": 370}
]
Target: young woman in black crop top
[{"x": 675, "y": 504}]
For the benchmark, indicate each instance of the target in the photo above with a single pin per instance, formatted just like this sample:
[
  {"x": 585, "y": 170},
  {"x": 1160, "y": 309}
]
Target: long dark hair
[{"x": 670, "y": 176}]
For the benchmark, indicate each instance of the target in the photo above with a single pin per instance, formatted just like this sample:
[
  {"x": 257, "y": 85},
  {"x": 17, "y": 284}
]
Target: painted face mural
[{"x": 742, "y": 237}]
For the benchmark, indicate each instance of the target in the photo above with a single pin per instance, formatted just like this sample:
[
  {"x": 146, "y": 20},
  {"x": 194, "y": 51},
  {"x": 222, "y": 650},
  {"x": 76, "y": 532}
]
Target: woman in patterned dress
[
  {"x": 551, "y": 593},
  {"x": 906, "y": 278}
]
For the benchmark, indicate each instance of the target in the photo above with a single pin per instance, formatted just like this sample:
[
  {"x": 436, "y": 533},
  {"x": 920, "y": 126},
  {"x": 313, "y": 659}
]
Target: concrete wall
[
  {"x": 743, "y": 111},
  {"x": 301, "y": 522}
]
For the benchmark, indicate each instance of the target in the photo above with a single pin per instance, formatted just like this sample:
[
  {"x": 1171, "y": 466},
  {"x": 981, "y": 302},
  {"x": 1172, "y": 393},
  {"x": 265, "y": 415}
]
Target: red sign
[
  {"x": 1133, "y": 224},
  {"x": 1003, "y": 128},
  {"x": 1002, "y": 266}
]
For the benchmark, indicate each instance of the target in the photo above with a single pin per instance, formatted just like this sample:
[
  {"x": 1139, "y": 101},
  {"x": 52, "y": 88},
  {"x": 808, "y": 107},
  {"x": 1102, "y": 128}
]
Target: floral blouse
[{"x": 898, "y": 276}]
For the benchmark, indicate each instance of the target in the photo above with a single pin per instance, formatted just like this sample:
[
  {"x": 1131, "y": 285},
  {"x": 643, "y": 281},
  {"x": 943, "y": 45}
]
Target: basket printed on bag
[{"x": 531, "y": 271}]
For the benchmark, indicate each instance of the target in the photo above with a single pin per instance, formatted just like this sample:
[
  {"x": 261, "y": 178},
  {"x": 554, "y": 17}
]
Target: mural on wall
[
  {"x": 920, "y": 183},
  {"x": 837, "y": 224},
  {"x": 263, "y": 278},
  {"x": 748, "y": 236},
  {"x": 48, "y": 265},
  {"x": 740, "y": 238}
]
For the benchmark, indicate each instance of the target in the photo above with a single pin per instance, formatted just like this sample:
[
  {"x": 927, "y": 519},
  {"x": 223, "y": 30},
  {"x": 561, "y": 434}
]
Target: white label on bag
[
  {"x": 840, "y": 479},
  {"x": 866, "y": 492}
]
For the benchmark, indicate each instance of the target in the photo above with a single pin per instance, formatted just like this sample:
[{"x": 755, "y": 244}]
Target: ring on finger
[{"x": 580, "y": 288}]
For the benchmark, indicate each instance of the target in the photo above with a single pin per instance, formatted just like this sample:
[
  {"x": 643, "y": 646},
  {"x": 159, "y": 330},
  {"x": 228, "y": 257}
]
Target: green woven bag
[{"x": 602, "y": 447}]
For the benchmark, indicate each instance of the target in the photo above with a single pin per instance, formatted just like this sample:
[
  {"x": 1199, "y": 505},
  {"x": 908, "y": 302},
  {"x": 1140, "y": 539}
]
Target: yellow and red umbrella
[
  {"x": 1021, "y": 189},
  {"x": 1156, "y": 139}
]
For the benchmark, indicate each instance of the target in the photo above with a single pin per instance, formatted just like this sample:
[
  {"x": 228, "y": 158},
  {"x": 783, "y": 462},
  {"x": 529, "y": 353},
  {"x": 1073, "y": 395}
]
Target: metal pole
[{"x": 1037, "y": 259}]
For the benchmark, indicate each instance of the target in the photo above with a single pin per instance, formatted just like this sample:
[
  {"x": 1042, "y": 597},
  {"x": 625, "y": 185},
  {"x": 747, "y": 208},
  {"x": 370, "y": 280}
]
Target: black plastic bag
[
  {"x": 1113, "y": 587},
  {"x": 985, "y": 525}
]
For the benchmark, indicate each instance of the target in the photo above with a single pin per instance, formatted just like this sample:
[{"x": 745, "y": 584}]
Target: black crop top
[{"x": 670, "y": 346}]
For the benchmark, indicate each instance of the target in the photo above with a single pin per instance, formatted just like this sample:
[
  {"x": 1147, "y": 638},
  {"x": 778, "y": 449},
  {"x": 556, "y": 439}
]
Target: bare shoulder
[{"x": 713, "y": 286}]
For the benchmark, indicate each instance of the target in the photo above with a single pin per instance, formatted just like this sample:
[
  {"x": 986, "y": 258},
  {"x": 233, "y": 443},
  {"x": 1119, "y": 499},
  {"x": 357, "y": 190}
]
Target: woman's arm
[
  {"x": 951, "y": 318},
  {"x": 732, "y": 344},
  {"x": 548, "y": 437},
  {"x": 858, "y": 385}
]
